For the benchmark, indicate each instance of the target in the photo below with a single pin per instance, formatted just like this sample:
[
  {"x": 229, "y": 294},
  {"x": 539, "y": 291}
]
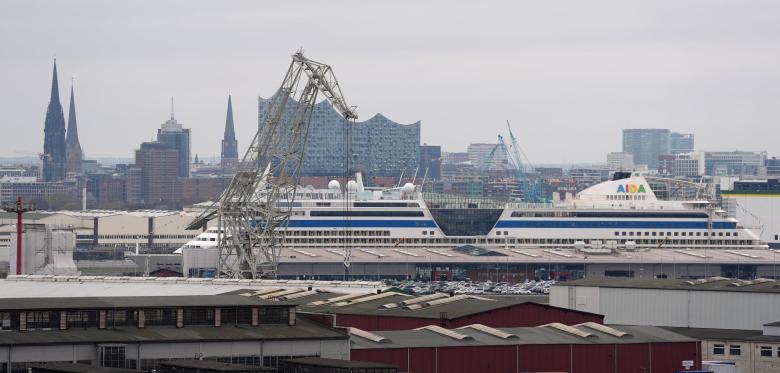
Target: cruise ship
[{"x": 621, "y": 214}]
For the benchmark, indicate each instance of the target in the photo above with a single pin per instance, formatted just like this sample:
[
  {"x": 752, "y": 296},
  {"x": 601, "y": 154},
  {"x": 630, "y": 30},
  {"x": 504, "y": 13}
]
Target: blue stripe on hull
[
  {"x": 613, "y": 224},
  {"x": 341, "y": 223}
]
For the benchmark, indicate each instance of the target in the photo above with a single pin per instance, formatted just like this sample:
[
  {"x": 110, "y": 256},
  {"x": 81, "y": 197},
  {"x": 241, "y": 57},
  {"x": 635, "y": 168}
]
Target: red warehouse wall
[{"x": 584, "y": 358}]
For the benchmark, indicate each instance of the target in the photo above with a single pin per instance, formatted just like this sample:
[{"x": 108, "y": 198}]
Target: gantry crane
[{"x": 251, "y": 219}]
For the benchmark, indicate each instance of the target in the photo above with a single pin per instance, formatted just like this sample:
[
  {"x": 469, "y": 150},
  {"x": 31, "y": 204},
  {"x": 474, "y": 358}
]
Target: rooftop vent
[
  {"x": 334, "y": 251},
  {"x": 746, "y": 255},
  {"x": 446, "y": 332},
  {"x": 378, "y": 255},
  {"x": 568, "y": 329},
  {"x": 280, "y": 293},
  {"x": 604, "y": 329},
  {"x": 440, "y": 301},
  {"x": 337, "y": 299},
  {"x": 368, "y": 335},
  {"x": 705, "y": 280},
  {"x": 424, "y": 298},
  {"x": 297, "y": 295},
  {"x": 521, "y": 252},
  {"x": 691, "y": 253},
  {"x": 368, "y": 298},
  {"x": 304, "y": 252},
  {"x": 751, "y": 282},
  {"x": 442, "y": 253},
  {"x": 488, "y": 330},
  {"x": 559, "y": 253},
  {"x": 407, "y": 253}
]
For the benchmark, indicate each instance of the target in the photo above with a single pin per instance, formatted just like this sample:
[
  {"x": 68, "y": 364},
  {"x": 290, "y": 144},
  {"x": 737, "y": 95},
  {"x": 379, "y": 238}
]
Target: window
[
  {"x": 199, "y": 316},
  {"x": 112, "y": 356},
  {"x": 38, "y": 320},
  {"x": 81, "y": 319},
  {"x": 159, "y": 317},
  {"x": 230, "y": 316},
  {"x": 116, "y": 318},
  {"x": 718, "y": 349},
  {"x": 766, "y": 351},
  {"x": 5, "y": 321},
  {"x": 273, "y": 315},
  {"x": 735, "y": 350}
]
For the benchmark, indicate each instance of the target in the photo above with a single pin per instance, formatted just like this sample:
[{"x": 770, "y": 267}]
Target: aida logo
[{"x": 631, "y": 188}]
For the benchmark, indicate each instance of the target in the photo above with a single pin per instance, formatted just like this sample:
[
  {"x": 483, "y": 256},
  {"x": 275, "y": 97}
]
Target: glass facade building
[
  {"x": 646, "y": 144},
  {"x": 379, "y": 146}
]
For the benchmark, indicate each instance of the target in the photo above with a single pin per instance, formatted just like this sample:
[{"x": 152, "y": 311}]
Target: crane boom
[
  {"x": 251, "y": 220},
  {"x": 515, "y": 148}
]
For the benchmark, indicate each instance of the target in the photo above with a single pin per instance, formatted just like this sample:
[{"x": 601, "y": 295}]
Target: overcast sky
[{"x": 569, "y": 75}]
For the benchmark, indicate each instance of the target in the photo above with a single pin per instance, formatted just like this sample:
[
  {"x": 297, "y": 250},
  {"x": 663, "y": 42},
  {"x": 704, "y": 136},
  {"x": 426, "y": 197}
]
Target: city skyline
[{"x": 702, "y": 78}]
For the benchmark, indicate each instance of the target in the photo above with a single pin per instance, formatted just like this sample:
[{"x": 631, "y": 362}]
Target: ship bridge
[{"x": 464, "y": 216}]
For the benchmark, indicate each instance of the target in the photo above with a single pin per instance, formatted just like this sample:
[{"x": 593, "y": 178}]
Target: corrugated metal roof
[
  {"x": 134, "y": 302},
  {"x": 525, "y": 336},
  {"x": 676, "y": 284},
  {"x": 98, "y": 286},
  {"x": 725, "y": 334},
  {"x": 303, "y": 329},
  {"x": 464, "y": 307}
]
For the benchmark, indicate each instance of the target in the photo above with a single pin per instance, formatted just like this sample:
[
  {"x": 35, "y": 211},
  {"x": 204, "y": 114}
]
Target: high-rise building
[
  {"x": 430, "y": 161},
  {"x": 229, "y": 143},
  {"x": 619, "y": 161},
  {"x": 379, "y": 146},
  {"x": 646, "y": 144},
  {"x": 175, "y": 137},
  {"x": 680, "y": 143},
  {"x": 736, "y": 163},
  {"x": 159, "y": 164},
  {"x": 488, "y": 156},
  {"x": 54, "y": 135},
  {"x": 73, "y": 154}
]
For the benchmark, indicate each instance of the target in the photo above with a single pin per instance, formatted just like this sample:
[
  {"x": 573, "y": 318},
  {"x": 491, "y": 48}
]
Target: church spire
[
  {"x": 73, "y": 153},
  {"x": 229, "y": 143},
  {"x": 54, "y": 135}
]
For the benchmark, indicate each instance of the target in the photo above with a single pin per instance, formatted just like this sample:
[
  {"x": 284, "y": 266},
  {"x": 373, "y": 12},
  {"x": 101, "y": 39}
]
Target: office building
[
  {"x": 229, "y": 155},
  {"x": 175, "y": 137},
  {"x": 488, "y": 156},
  {"x": 680, "y": 143},
  {"x": 430, "y": 161},
  {"x": 772, "y": 167},
  {"x": 379, "y": 146},
  {"x": 646, "y": 144},
  {"x": 688, "y": 164},
  {"x": 159, "y": 165},
  {"x": 756, "y": 203},
  {"x": 54, "y": 135},
  {"x": 735, "y": 163},
  {"x": 32, "y": 190},
  {"x": 620, "y": 161},
  {"x": 73, "y": 154}
]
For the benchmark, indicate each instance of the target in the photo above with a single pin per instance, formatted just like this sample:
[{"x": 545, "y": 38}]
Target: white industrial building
[
  {"x": 715, "y": 302},
  {"x": 736, "y": 320}
]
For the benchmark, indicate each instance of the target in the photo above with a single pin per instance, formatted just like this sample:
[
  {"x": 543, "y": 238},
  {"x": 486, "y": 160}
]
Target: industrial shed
[
  {"x": 714, "y": 302},
  {"x": 585, "y": 348},
  {"x": 397, "y": 311}
]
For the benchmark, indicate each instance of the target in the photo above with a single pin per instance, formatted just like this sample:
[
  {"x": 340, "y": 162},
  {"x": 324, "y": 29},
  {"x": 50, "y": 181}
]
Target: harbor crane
[{"x": 254, "y": 209}]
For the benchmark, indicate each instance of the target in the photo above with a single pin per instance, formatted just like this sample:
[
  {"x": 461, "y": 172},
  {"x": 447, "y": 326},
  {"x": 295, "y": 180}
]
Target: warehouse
[
  {"x": 139, "y": 332},
  {"x": 714, "y": 302},
  {"x": 746, "y": 351},
  {"x": 397, "y": 311},
  {"x": 583, "y": 348}
]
